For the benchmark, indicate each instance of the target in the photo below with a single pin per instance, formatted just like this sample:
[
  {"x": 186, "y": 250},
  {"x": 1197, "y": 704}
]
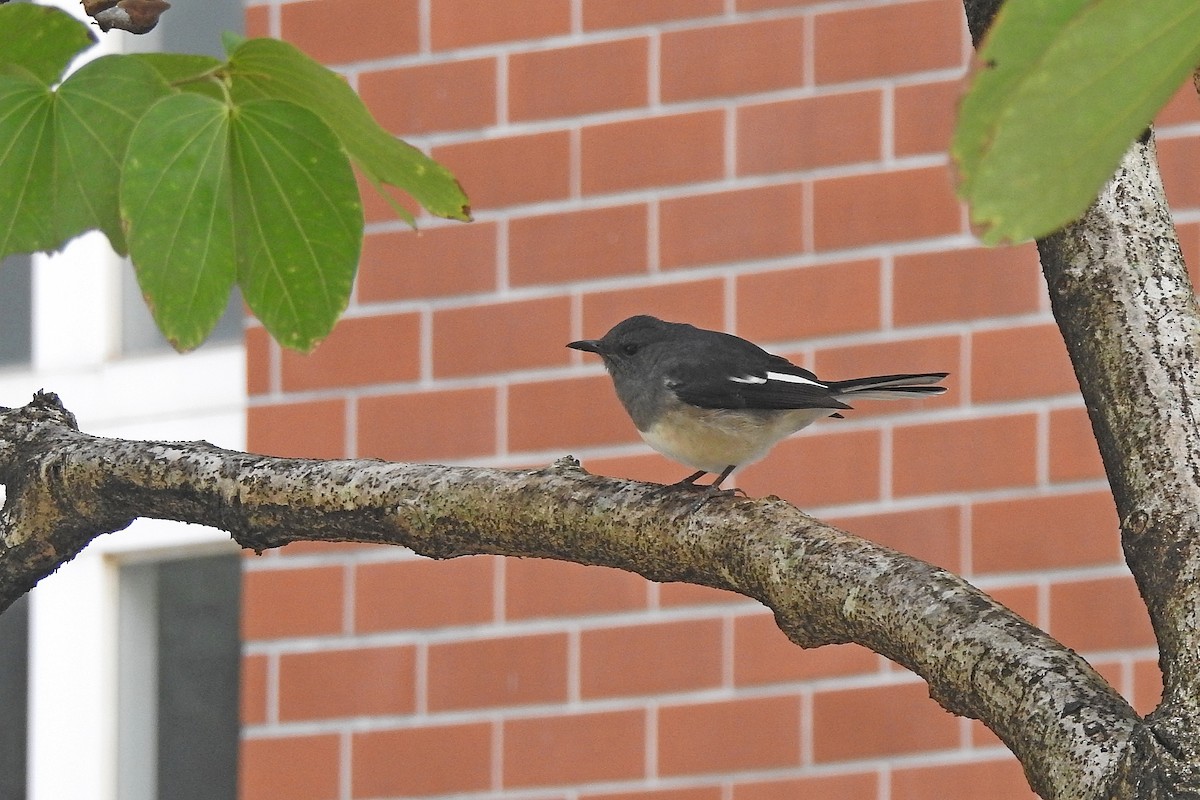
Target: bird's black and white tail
[{"x": 889, "y": 387}]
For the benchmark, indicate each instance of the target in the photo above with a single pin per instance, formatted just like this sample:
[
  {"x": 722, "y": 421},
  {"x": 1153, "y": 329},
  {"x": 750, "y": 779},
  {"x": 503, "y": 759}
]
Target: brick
[
  {"x": 1023, "y": 600},
  {"x": 314, "y": 599},
  {"x": 963, "y": 285},
  {"x": 347, "y": 683},
  {"x": 577, "y": 245},
  {"x": 440, "y": 759},
  {"x": 729, "y": 60},
  {"x": 467, "y": 23},
  {"x": 350, "y": 355},
  {"x": 257, "y": 21},
  {"x": 858, "y": 786},
  {"x": 862, "y": 210},
  {"x": 579, "y": 79},
  {"x": 650, "y": 659},
  {"x": 888, "y": 41},
  {"x": 930, "y": 534},
  {"x": 980, "y": 780},
  {"x": 578, "y": 748},
  {"x": 543, "y": 588},
  {"x": 700, "y": 303},
  {"x": 686, "y": 147},
  {"x": 690, "y": 793},
  {"x": 1074, "y": 454},
  {"x": 295, "y": 767},
  {"x": 903, "y": 719},
  {"x": 928, "y": 354},
  {"x": 1019, "y": 364},
  {"x": 648, "y": 467},
  {"x": 818, "y": 469},
  {"x": 837, "y": 298},
  {"x": 511, "y": 170},
  {"x": 924, "y": 117},
  {"x": 586, "y": 413},
  {"x": 500, "y": 337},
  {"x": 510, "y": 671},
  {"x": 376, "y": 207},
  {"x": 340, "y": 31},
  {"x": 733, "y": 226},
  {"x": 763, "y": 5},
  {"x": 1181, "y": 109},
  {"x": 965, "y": 455},
  {"x": 314, "y": 429},
  {"x": 605, "y": 14},
  {"x": 412, "y": 427},
  {"x": 260, "y": 351},
  {"x": 730, "y": 735},
  {"x": 422, "y": 594},
  {"x": 252, "y": 698},
  {"x": 1147, "y": 686},
  {"x": 424, "y": 98},
  {"x": 795, "y": 134},
  {"x": 762, "y": 654},
  {"x": 1177, "y": 159},
  {"x": 431, "y": 262},
  {"x": 1053, "y": 532},
  {"x": 674, "y": 595},
  {"x": 1075, "y": 607}
]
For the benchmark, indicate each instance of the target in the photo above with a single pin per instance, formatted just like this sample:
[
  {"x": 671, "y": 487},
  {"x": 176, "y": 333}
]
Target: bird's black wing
[{"x": 748, "y": 378}]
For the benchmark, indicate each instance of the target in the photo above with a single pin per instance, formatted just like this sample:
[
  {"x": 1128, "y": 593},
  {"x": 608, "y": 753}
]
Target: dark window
[
  {"x": 16, "y": 311},
  {"x": 179, "y": 677},
  {"x": 14, "y": 685}
]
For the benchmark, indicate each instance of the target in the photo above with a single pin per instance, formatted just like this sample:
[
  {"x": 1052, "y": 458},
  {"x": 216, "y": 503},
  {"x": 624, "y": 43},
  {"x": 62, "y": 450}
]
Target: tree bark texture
[{"x": 1070, "y": 729}]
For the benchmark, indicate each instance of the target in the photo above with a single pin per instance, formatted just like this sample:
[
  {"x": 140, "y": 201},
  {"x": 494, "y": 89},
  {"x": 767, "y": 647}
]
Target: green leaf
[
  {"x": 41, "y": 39},
  {"x": 26, "y": 163},
  {"x": 1065, "y": 88},
  {"x": 231, "y": 41},
  {"x": 177, "y": 68},
  {"x": 268, "y": 68},
  {"x": 97, "y": 108},
  {"x": 299, "y": 221},
  {"x": 176, "y": 196},
  {"x": 61, "y": 152}
]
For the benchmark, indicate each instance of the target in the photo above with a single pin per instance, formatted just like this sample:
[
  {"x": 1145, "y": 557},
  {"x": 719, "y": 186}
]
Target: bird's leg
[{"x": 690, "y": 480}]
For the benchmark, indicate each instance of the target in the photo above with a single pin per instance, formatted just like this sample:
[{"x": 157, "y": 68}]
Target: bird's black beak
[{"x": 587, "y": 345}]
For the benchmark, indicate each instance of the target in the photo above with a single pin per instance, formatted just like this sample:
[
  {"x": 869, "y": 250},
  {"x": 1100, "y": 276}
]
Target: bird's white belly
[{"x": 713, "y": 439}]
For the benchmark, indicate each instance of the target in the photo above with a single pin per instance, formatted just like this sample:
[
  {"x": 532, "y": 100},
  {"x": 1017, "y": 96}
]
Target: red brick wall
[{"x": 773, "y": 168}]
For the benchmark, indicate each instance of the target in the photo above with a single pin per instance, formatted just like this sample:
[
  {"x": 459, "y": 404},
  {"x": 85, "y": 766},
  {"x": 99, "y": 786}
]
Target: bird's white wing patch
[
  {"x": 748, "y": 379},
  {"x": 786, "y": 378}
]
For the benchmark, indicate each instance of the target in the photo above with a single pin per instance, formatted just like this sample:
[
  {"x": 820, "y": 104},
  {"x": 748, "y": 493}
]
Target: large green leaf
[
  {"x": 96, "y": 110},
  {"x": 1065, "y": 87},
  {"x": 26, "y": 163},
  {"x": 61, "y": 152},
  {"x": 260, "y": 193},
  {"x": 176, "y": 198},
  {"x": 298, "y": 219},
  {"x": 177, "y": 68},
  {"x": 268, "y": 68},
  {"x": 41, "y": 39}
]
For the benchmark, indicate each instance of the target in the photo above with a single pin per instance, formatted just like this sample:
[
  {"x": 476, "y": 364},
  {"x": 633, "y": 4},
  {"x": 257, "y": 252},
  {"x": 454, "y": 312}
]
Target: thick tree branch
[
  {"x": 1070, "y": 729},
  {"x": 1126, "y": 307}
]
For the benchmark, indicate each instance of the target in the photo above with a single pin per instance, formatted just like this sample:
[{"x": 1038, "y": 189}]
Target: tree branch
[
  {"x": 1068, "y": 727},
  {"x": 1125, "y": 304}
]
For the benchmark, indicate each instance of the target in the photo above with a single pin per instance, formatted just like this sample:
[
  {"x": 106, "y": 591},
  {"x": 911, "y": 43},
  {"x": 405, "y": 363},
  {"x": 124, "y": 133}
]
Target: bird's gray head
[
  {"x": 632, "y": 344},
  {"x": 635, "y": 352}
]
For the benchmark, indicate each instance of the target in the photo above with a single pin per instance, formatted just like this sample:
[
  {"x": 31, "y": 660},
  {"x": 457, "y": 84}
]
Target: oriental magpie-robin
[{"x": 715, "y": 402}]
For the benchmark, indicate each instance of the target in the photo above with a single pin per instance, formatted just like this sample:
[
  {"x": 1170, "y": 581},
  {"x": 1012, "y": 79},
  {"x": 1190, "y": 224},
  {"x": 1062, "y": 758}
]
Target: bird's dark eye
[{"x": 629, "y": 348}]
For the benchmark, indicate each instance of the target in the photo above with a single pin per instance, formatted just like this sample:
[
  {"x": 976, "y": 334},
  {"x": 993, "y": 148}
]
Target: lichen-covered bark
[
  {"x": 1069, "y": 728},
  {"x": 1127, "y": 311}
]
